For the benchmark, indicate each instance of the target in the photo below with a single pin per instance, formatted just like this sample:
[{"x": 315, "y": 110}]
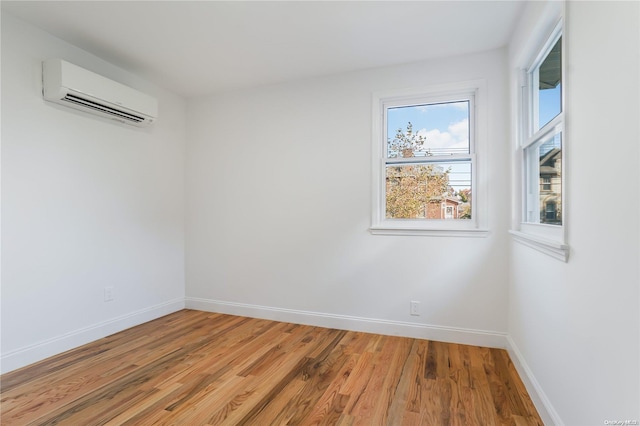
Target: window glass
[
  {"x": 428, "y": 130},
  {"x": 549, "y": 82},
  {"x": 436, "y": 190},
  {"x": 545, "y": 181},
  {"x": 421, "y": 181}
]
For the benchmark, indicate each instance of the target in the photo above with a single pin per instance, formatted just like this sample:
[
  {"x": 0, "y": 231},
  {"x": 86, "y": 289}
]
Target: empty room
[{"x": 320, "y": 212}]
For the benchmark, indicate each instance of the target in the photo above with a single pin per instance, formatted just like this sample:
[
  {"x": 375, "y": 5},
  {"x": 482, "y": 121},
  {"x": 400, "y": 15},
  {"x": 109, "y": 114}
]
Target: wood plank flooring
[{"x": 201, "y": 368}]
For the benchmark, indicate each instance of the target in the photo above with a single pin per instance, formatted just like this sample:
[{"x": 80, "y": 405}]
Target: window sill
[
  {"x": 379, "y": 230},
  {"x": 551, "y": 248}
]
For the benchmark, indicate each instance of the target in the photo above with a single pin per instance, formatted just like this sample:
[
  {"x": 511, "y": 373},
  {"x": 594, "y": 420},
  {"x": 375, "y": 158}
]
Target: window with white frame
[
  {"x": 425, "y": 162},
  {"x": 542, "y": 151}
]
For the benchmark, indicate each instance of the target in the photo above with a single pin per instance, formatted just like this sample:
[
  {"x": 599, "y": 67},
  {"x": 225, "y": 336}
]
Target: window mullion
[
  {"x": 430, "y": 160},
  {"x": 554, "y": 126}
]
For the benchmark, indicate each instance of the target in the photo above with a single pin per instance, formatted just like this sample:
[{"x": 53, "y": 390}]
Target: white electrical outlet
[
  {"x": 108, "y": 294},
  {"x": 415, "y": 308}
]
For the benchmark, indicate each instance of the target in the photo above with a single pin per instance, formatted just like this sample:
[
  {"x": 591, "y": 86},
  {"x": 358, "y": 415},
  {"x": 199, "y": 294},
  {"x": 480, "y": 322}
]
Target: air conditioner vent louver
[
  {"x": 75, "y": 87},
  {"x": 107, "y": 110}
]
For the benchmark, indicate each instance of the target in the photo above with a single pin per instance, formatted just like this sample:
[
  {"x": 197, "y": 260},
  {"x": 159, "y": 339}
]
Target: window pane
[
  {"x": 429, "y": 191},
  {"x": 545, "y": 181},
  {"x": 428, "y": 130},
  {"x": 549, "y": 86}
]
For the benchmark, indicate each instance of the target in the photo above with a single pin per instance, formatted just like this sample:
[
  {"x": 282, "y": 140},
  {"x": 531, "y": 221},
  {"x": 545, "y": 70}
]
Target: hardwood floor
[{"x": 201, "y": 368}]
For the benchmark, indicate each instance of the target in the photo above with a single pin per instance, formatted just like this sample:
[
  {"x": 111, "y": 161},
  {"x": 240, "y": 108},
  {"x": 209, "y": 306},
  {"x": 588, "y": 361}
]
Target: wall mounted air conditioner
[{"x": 75, "y": 87}]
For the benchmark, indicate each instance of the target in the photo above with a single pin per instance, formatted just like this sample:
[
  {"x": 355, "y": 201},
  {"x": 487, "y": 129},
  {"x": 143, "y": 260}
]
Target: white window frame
[
  {"x": 476, "y": 226},
  {"x": 547, "y": 238}
]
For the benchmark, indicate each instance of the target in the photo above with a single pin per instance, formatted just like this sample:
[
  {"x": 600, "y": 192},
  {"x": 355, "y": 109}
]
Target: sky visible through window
[
  {"x": 550, "y": 102},
  {"x": 445, "y": 127}
]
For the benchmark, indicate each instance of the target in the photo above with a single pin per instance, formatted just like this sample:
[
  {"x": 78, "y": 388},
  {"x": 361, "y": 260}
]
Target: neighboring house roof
[
  {"x": 550, "y": 156},
  {"x": 548, "y": 160},
  {"x": 440, "y": 199}
]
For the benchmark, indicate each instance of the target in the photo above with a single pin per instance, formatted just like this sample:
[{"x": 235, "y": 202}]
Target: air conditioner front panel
[{"x": 72, "y": 86}]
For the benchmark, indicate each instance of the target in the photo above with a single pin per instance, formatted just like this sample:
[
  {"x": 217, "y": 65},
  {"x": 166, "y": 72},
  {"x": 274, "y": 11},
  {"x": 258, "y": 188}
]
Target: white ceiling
[{"x": 201, "y": 47}]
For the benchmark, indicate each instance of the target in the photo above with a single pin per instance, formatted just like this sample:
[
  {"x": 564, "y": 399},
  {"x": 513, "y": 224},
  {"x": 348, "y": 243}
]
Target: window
[
  {"x": 550, "y": 211},
  {"x": 425, "y": 162},
  {"x": 542, "y": 152},
  {"x": 543, "y": 146}
]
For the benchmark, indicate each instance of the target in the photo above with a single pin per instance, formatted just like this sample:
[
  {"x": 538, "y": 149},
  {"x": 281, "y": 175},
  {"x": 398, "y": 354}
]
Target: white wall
[
  {"x": 278, "y": 209},
  {"x": 86, "y": 203},
  {"x": 576, "y": 325}
]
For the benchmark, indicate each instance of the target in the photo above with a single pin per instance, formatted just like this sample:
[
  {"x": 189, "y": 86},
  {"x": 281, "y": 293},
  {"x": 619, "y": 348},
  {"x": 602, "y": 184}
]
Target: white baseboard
[
  {"x": 346, "y": 322},
  {"x": 546, "y": 411},
  {"x": 39, "y": 351}
]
